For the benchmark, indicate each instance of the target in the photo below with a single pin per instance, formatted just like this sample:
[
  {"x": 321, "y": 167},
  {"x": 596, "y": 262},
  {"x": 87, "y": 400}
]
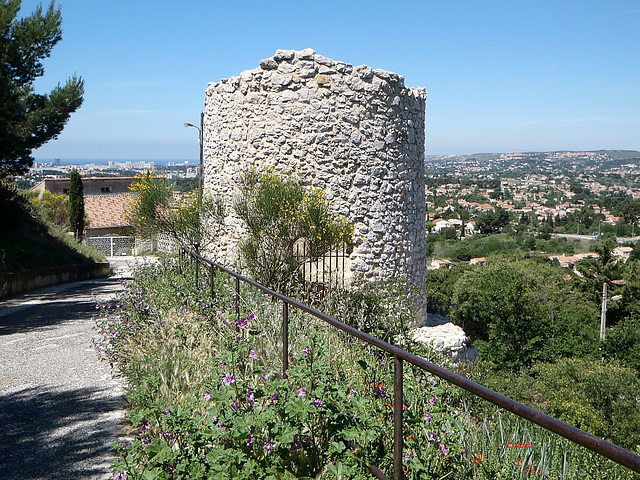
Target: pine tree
[
  {"x": 76, "y": 204},
  {"x": 29, "y": 120}
]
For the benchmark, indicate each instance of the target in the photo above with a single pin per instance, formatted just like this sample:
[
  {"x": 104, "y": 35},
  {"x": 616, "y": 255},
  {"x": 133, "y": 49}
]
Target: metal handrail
[{"x": 598, "y": 445}]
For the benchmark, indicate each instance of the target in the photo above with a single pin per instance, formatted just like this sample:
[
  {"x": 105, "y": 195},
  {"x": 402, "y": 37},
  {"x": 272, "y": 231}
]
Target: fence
[
  {"x": 593, "y": 443},
  {"x": 113, "y": 245}
]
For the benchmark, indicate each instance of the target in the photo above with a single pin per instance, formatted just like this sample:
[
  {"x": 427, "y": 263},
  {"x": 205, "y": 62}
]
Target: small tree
[
  {"x": 288, "y": 225},
  {"x": 76, "y": 204},
  {"x": 192, "y": 223},
  {"x": 152, "y": 198},
  {"x": 29, "y": 120}
]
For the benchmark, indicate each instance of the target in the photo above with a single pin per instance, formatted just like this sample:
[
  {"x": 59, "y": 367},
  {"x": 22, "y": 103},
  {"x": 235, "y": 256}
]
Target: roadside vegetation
[
  {"x": 33, "y": 233},
  {"x": 208, "y": 398}
]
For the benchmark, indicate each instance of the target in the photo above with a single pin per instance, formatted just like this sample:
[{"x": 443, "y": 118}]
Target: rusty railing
[{"x": 574, "y": 434}]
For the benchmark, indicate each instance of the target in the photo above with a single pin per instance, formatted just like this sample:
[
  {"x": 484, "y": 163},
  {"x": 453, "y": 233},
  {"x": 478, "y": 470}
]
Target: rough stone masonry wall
[{"x": 356, "y": 132}]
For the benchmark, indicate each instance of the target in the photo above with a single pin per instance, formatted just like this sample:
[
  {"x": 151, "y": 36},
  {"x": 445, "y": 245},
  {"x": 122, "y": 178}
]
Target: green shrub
[{"x": 288, "y": 225}]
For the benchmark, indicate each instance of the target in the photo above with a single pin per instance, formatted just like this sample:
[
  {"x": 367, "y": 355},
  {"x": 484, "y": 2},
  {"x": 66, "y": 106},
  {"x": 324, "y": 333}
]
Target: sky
[{"x": 501, "y": 76}]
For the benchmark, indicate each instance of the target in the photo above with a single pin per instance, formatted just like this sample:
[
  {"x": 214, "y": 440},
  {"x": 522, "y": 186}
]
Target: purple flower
[
  {"x": 302, "y": 392},
  {"x": 379, "y": 391},
  {"x": 207, "y": 395},
  {"x": 253, "y": 355},
  {"x": 427, "y": 417},
  {"x": 221, "y": 363},
  {"x": 267, "y": 375},
  {"x": 443, "y": 450},
  {"x": 433, "y": 399},
  {"x": 252, "y": 317},
  {"x": 306, "y": 351},
  {"x": 432, "y": 437},
  {"x": 241, "y": 322},
  {"x": 166, "y": 410},
  {"x": 250, "y": 439},
  {"x": 228, "y": 379},
  {"x": 269, "y": 445},
  {"x": 317, "y": 402},
  {"x": 250, "y": 396},
  {"x": 234, "y": 405}
]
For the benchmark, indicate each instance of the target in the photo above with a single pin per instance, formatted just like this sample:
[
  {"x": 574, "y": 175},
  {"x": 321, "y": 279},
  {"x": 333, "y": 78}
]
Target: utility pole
[{"x": 603, "y": 315}]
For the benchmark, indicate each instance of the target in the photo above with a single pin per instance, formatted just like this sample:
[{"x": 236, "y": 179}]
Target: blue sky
[{"x": 500, "y": 76}]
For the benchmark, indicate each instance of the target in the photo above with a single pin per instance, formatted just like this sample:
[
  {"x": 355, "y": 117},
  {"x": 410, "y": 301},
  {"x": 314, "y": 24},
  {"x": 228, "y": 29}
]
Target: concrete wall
[
  {"x": 12, "y": 284},
  {"x": 356, "y": 132}
]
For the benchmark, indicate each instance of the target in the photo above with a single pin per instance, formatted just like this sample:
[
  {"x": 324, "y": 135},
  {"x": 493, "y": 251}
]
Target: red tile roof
[{"x": 107, "y": 210}]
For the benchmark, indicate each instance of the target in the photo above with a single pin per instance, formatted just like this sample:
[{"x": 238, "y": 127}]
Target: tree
[
  {"x": 193, "y": 222},
  {"x": 29, "y": 120},
  {"x": 152, "y": 197},
  {"x": 491, "y": 222},
  {"x": 76, "y": 204}
]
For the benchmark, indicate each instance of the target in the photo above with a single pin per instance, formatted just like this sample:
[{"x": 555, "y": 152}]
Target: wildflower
[
  {"x": 443, "y": 450},
  {"x": 166, "y": 410},
  {"x": 379, "y": 390},
  {"x": 269, "y": 445},
  {"x": 241, "y": 322},
  {"x": 267, "y": 375},
  {"x": 427, "y": 417},
  {"x": 306, "y": 351},
  {"x": 317, "y": 402},
  {"x": 251, "y": 317},
  {"x": 221, "y": 363},
  {"x": 207, "y": 395},
  {"x": 228, "y": 379},
  {"x": 250, "y": 396},
  {"x": 432, "y": 400},
  {"x": 250, "y": 439},
  {"x": 235, "y": 406},
  {"x": 432, "y": 437},
  {"x": 253, "y": 355},
  {"x": 302, "y": 392}
]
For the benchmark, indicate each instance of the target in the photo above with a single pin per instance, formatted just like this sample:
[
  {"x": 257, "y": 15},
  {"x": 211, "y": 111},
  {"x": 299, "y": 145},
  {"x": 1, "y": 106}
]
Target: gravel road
[{"x": 60, "y": 407}]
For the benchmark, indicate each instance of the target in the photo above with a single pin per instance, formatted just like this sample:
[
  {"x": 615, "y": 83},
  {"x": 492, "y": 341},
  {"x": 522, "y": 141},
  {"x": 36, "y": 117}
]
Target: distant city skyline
[{"x": 501, "y": 76}]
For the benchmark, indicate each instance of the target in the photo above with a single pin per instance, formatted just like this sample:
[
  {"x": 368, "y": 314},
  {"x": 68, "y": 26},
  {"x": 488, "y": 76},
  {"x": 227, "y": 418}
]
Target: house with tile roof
[{"x": 106, "y": 214}]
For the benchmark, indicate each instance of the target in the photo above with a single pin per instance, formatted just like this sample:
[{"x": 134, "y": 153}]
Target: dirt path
[{"x": 60, "y": 407}]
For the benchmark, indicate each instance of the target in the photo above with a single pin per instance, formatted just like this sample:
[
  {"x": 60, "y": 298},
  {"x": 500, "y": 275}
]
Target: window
[{"x": 105, "y": 189}]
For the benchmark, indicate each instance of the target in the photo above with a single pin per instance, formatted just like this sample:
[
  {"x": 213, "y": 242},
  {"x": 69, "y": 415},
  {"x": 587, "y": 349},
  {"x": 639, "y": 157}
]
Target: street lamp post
[{"x": 200, "y": 142}]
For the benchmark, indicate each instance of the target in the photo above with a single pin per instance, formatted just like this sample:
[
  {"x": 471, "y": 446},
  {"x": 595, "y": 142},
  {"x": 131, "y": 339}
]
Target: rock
[
  {"x": 446, "y": 338},
  {"x": 268, "y": 64}
]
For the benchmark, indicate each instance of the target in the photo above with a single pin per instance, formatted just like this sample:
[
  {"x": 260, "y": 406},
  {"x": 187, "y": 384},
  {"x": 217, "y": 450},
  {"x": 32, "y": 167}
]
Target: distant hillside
[
  {"x": 535, "y": 162},
  {"x": 25, "y": 241}
]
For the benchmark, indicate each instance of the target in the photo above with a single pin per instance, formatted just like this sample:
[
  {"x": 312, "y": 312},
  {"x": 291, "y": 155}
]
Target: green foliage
[
  {"x": 596, "y": 397},
  {"x": 499, "y": 304},
  {"x": 521, "y": 311},
  {"x": 288, "y": 225},
  {"x": 76, "y": 204},
  {"x": 29, "y": 120},
  {"x": 28, "y": 241},
  {"x": 385, "y": 309},
  {"x": 52, "y": 208},
  {"x": 491, "y": 222},
  {"x": 152, "y": 198},
  {"x": 207, "y": 402},
  {"x": 622, "y": 343}
]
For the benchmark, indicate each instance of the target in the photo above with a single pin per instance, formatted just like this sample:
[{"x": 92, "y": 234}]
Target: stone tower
[{"x": 356, "y": 132}]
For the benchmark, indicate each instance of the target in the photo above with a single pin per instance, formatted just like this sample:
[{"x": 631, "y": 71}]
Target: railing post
[
  {"x": 397, "y": 418},
  {"x": 213, "y": 281},
  {"x": 285, "y": 338},
  {"x": 237, "y": 298}
]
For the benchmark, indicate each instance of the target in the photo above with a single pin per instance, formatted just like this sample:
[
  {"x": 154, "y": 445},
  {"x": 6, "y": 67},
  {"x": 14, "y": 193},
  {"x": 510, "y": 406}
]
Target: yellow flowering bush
[{"x": 288, "y": 224}]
